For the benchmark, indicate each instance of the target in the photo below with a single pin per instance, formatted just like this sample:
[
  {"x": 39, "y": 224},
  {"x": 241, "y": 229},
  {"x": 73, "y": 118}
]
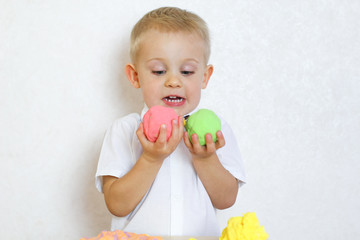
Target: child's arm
[
  {"x": 219, "y": 183},
  {"x": 123, "y": 194}
]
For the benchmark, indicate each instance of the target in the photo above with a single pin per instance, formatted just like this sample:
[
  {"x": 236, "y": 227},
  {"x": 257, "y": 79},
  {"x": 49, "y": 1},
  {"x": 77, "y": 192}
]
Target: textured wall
[{"x": 286, "y": 77}]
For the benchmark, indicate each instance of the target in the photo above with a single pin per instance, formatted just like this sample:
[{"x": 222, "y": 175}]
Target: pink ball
[{"x": 154, "y": 118}]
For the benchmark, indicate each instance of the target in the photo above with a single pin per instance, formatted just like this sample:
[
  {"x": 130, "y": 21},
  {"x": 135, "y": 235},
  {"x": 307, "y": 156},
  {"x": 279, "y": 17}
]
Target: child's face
[{"x": 171, "y": 70}]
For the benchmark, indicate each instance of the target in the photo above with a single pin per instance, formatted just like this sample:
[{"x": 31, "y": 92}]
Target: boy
[{"x": 169, "y": 188}]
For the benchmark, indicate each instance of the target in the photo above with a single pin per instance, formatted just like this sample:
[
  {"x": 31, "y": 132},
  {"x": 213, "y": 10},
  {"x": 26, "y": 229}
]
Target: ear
[
  {"x": 131, "y": 73},
  {"x": 208, "y": 72}
]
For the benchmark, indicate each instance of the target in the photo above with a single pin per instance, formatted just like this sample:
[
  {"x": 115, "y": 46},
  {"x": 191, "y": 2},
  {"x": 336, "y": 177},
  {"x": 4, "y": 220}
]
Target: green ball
[{"x": 203, "y": 122}]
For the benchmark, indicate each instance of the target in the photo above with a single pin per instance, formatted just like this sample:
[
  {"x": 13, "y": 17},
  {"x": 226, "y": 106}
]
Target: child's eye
[
  {"x": 159, "y": 72},
  {"x": 187, "y": 72}
]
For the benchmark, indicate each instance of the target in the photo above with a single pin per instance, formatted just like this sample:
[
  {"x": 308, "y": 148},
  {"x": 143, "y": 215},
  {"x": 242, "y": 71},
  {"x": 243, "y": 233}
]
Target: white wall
[{"x": 286, "y": 77}]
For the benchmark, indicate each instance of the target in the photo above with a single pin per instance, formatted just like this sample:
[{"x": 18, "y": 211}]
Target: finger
[
  {"x": 162, "y": 134},
  {"x": 195, "y": 143},
  {"x": 220, "y": 140},
  {"x": 141, "y": 135},
  {"x": 187, "y": 141},
  {"x": 174, "y": 138},
  {"x": 210, "y": 145},
  {"x": 175, "y": 129},
  {"x": 181, "y": 125}
]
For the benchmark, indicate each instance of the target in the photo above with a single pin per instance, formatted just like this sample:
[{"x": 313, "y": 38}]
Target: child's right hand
[
  {"x": 161, "y": 149},
  {"x": 123, "y": 194}
]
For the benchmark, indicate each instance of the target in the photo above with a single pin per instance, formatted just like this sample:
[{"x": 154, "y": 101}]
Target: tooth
[{"x": 174, "y": 99}]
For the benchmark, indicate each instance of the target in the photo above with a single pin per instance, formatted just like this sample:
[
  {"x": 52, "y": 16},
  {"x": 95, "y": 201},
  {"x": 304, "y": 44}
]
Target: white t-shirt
[{"x": 177, "y": 203}]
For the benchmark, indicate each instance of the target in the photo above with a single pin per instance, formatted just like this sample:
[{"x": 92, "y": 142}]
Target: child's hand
[
  {"x": 160, "y": 149},
  {"x": 219, "y": 183},
  {"x": 203, "y": 152}
]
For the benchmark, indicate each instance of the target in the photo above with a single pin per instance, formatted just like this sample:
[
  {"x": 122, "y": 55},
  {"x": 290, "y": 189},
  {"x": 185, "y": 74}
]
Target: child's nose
[{"x": 173, "y": 82}]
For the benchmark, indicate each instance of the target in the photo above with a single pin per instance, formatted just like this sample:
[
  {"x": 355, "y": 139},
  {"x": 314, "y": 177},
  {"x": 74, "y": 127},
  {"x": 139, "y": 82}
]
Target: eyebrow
[
  {"x": 191, "y": 60},
  {"x": 155, "y": 59}
]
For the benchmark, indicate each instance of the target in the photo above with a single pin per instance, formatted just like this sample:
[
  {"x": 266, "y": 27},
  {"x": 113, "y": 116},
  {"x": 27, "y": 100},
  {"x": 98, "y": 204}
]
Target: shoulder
[{"x": 127, "y": 123}]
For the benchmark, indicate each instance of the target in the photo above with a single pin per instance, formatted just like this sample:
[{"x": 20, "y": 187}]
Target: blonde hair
[{"x": 169, "y": 19}]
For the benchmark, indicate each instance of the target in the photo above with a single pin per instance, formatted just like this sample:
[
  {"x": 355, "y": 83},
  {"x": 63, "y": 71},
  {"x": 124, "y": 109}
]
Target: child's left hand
[
  {"x": 203, "y": 152},
  {"x": 220, "y": 184}
]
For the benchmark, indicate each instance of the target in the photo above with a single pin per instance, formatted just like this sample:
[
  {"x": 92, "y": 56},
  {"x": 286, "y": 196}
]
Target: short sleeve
[
  {"x": 230, "y": 156},
  {"x": 117, "y": 155}
]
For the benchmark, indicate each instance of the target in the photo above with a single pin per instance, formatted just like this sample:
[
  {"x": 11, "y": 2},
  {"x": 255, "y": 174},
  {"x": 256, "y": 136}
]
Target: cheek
[
  {"x": 151, "y": 89},
  {"x": 198, "y": 83},
  {"x": 194, "y": 90},
  {"x": 146, "y": 82}
]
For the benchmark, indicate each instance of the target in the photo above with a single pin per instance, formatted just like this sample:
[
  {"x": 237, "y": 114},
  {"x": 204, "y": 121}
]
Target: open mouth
[{"x": 173, "y": 99}]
